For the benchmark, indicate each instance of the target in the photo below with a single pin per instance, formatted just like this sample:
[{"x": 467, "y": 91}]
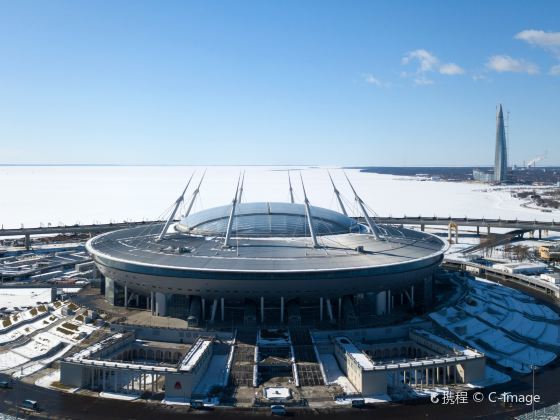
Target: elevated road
[
  {"x": 465, "y": 221},
  {"x": 527, "y": 225},
  {"x": 51, "y": 230}
]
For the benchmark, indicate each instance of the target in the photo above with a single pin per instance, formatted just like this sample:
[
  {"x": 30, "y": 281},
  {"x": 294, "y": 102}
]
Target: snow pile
[{"x": 505, "y": 324}]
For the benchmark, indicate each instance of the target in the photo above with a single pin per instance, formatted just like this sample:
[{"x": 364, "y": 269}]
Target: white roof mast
[
  {"x": 172, "y": 215},
  {"x": 308, "y": 214},
  {"x": 232, "y": 213},
  {"x": 337, "y": 193},
  {"x": 370, "y": 222},
  {"x": 241, "y": 189},
  {"x": 195, "y": 193},
  {"x": 291, "y": 190}
]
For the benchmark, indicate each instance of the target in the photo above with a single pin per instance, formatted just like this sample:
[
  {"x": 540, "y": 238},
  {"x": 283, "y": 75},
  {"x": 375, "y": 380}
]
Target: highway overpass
[{"x": 421, "y": 221}]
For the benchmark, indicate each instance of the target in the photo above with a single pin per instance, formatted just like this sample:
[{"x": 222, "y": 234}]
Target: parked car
[
  {"x": 30, "y": 405},
  {"x": 5, "y": 384}
]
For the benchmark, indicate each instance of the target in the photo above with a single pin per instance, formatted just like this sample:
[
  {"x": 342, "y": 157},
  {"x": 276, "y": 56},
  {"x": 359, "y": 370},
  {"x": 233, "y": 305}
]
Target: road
[{"x": 56, "y": 404}]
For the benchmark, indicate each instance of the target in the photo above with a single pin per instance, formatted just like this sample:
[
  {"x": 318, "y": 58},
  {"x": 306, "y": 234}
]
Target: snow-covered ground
[
  {"x": 12, "y": 297},
  {"x": 507, "y": 325},
  {"x": 86, "y": 194},
  {"x": 46, "y": 342}
]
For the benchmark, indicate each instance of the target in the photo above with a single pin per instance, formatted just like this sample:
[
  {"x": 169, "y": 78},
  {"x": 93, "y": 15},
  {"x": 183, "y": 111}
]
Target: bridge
[
  {"x": 466, "y": 221},
  {"x": 528, "y": 225}
]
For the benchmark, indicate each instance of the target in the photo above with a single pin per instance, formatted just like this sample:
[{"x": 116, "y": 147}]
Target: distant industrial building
[{"x": 499, "y": 174}]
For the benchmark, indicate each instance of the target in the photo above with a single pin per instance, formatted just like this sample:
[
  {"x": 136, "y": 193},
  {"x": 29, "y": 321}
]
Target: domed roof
[{"x": 268, "y": 220}]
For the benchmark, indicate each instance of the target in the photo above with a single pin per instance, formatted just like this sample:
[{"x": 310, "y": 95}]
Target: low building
[
  {"x": 123, "y": 364},
  {"x": 553, "y": 278},
  {"x": 521, "y": 268},
  {"x": 435, "y": 361}
]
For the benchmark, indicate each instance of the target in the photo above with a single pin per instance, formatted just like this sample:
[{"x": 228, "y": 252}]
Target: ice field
[{"x": 34, "y": 195}]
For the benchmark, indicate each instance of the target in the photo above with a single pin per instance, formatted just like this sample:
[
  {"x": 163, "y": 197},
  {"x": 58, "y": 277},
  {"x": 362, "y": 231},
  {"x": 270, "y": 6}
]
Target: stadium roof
[{"x": 268, "y": 220}]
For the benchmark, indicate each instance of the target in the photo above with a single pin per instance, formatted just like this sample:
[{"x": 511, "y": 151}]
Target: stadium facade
[{"x": 268, "y": 263}]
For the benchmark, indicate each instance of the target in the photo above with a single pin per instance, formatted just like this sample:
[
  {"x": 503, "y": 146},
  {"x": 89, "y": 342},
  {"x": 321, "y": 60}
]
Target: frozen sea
[{"x": 34, "y": 195}]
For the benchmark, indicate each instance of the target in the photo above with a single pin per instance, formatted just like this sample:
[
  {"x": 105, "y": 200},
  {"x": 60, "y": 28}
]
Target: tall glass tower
[{"x": 500, "y": 161}]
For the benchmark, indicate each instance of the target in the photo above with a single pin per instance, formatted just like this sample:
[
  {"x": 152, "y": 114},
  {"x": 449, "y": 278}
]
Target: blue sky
[{"x": 277, "y": 82}]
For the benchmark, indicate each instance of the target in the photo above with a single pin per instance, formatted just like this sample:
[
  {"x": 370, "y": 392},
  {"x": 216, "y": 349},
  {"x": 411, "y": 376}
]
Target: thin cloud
[
  {"x": 549, "y": 41},
  {"x": 451, "y": 69},
  {"x": 423, "y": 81},
  {"x": 370, "y": 79},
  {"x": 505, "y": 63},
  {"x": 555, "y": 70},
  {"x": 426, "y": 60},
  {"x": 428, "y": 63}
]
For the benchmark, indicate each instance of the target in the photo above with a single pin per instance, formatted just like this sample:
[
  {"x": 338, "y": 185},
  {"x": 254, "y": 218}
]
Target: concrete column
[
  {"x": 125, "y": 295},
  {"x": 214, "y": 308},
  {"x": 454, "y": 370},
  {"x": 478, "y": 230},
  {"x": 223, "y": 309},
  {"x": 380, "y": 303},
  {"x": 339, "y": 308},
  {"x": 137, "y": 300},
  {"x": 262, "y": 309},
  {"x": 389, "y": 300},
  {"x": 402, "y": 298},
  {"x": 161, "y": 304},
  {"x": 422, "y": 227},
  {"x": 27, "y": 242},
  {"x": 330, "y": 310},
  {"x": 444, "y": 376},
  {"x": 320, "y": 308},
  {"x": 540, "y": 234},
  {"x": 412, "y": 295},
  {"x": 203, "y": 301},
  {"x": 282, "y": 309},
  {"x": 152, "y": 302},
  {"x": 434, "y": 377},
  {"x": 488, "y": 229}
]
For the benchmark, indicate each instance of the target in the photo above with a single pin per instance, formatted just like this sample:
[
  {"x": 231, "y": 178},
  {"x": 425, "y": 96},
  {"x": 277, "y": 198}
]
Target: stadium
[{"x": 268, "y": 263}]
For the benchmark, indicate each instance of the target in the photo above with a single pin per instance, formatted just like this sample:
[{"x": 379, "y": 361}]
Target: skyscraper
[{"x": 500, "y": 160}]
